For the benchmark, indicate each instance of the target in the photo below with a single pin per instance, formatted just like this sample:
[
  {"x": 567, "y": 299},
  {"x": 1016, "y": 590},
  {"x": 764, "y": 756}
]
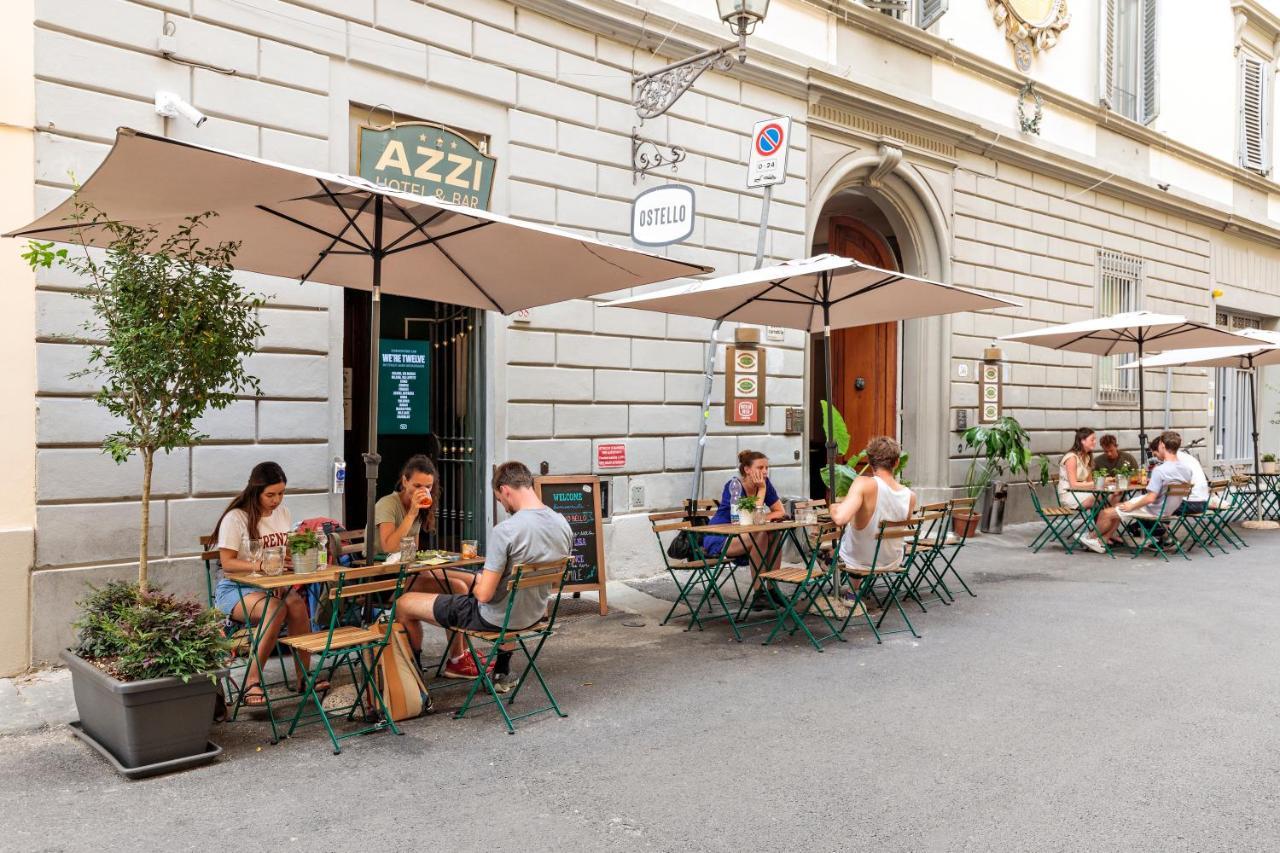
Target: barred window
[
  {"x": 1232, "y": 417},
  {"x": 1119, "y": 290}
]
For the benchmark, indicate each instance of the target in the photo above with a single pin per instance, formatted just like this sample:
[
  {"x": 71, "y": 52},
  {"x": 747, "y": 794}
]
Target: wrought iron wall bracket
[
  {"x": 647, "y": 155},
  {"x": 656, "y": 91}
]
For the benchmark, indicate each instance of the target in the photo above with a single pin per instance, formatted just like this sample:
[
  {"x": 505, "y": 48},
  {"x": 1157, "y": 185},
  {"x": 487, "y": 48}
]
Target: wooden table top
[
  {"x": 732, "y": 529},
  {"x": 330, "y": 574},
  {"x": 1109, "y": 490}
]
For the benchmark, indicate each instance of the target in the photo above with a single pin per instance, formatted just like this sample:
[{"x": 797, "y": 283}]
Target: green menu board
[{"x": 404, "y": 379}]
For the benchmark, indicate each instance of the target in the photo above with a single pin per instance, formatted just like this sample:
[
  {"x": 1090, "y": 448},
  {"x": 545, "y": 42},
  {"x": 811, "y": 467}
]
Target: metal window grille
[
  {"x": 1232, "y": 424},
  {"x": 1119, "y": 290}
]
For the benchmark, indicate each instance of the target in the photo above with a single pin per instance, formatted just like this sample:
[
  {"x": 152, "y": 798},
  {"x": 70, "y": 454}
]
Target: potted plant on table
[
  {"x": 1123, "y": 474},
  {"x": 304, "y": 548},
  {"x": 1268, "y": 463},
  {"x": 172, "y": 328},
  {"x": 746, "y": 510},
  {"x": 997, "y": 448}
]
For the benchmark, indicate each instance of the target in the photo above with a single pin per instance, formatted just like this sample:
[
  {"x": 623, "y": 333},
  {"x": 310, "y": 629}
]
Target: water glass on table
[
  {"x": 273, "y": 561},
  {"x": 470, "y": 549},
  {"x": 252, "y": 549},
  {"x": 408, "y": 549}
]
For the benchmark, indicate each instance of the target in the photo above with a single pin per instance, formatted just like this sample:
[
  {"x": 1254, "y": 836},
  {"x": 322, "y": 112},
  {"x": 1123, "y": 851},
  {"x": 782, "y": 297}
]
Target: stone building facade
[{"x": 912, "y": 134}]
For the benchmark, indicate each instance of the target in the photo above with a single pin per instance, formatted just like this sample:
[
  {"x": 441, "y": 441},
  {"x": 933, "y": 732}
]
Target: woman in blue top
[{"x": 753, "y": 480}]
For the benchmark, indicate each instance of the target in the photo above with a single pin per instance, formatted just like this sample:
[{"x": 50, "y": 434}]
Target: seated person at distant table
[
  {"x": 1112, "y": 457},
  {"x": 533, "y": 533},
  {"x": 753, "y": 478},
  {"x": 870, "y": 501},
  {"x": 1170, "y": 470},
  {"x": 402, "y": 515}
]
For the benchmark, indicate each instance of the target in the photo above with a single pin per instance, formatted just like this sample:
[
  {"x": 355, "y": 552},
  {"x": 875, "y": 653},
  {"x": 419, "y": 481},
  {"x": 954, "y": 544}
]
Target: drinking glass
[
  {"x": 273, "y": 561},
  {"x": 253, "y": 553},
  {"x": 470, "y": 548},
  {"x": 408, "y": 549}
]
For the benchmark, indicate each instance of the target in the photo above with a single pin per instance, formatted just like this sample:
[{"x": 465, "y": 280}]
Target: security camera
[{"x": 170, "y": 105}]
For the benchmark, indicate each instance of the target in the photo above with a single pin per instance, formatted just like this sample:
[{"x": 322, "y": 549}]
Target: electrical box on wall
[{"x": 793, "y": 423}]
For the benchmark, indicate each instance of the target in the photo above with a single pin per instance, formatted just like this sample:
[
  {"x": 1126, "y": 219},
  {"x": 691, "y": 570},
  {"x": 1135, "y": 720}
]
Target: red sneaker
[{"x": 464, "y": 666}]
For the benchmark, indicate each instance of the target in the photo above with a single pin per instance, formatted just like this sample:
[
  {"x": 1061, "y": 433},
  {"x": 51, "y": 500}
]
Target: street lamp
[{"x": 657, "y": 90}]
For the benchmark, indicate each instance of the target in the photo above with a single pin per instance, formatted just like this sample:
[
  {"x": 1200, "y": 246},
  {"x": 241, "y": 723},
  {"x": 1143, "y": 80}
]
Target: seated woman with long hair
[{"x": 258, "y": 512}]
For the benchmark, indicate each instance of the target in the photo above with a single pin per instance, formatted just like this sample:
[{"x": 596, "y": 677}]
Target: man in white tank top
[{"x": 871, "y": 500}]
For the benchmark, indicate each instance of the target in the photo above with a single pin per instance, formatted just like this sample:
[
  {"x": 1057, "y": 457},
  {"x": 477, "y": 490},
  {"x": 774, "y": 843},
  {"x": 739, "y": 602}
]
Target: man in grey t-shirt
[{"x": 533, "y": 534}]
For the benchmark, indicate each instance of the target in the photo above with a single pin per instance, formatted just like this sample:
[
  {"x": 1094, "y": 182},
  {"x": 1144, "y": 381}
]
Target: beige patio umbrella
[
  {"x": 815, "y": 294},
  {"x": 1138, "y": 332},
  {"x": 1265, "y": 351},
  {"x": 346, "y": 231}
]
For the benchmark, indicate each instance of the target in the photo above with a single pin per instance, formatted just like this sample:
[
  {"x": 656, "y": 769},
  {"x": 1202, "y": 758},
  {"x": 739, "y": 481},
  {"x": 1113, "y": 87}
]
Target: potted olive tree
[{"x": 172, "y": 329}]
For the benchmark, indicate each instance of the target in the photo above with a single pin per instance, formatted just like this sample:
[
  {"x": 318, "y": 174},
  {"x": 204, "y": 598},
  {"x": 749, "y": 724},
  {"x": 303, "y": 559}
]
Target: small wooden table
[
  {"x": 757, "y": 559},
  {"x": 275, "y": 586}
]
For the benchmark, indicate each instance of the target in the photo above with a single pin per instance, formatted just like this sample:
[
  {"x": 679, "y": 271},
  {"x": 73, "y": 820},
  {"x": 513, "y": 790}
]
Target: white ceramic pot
[{"x": 1268, "y": 467}]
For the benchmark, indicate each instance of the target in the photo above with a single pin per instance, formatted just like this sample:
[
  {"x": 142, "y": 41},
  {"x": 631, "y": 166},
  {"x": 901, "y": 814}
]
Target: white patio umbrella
[
  {"x": 1138, "y": 332},
  {"x": 346, "y": 231},
  {"x": 815, "y": 295},
  {"x": 1265, "y": 351}
]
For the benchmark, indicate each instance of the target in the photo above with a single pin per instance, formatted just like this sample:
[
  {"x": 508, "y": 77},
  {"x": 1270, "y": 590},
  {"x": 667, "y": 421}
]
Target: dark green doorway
[{"x": 455, "y": 390}]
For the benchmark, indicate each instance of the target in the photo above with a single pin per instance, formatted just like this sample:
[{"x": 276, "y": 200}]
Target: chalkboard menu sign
[{"x": 578, "y": 500}]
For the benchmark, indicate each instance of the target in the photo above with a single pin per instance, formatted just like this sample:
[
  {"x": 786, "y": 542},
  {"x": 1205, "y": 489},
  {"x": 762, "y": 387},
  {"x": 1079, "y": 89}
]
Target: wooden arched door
[{"x": 864, "y": 358}]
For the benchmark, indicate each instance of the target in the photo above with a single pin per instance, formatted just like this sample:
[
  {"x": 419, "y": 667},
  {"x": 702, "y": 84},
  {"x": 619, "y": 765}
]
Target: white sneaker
[{"x": 1092, "y": 544}]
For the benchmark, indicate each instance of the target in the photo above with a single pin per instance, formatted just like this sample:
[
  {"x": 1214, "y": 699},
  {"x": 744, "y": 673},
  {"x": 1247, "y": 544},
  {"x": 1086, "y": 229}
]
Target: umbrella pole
[
  {"x": 1260, "y": 523},
  {"x": 1142, "y": 408},
  {"x": 372, "y": 459},
  {"x": 831, "y": 423}
]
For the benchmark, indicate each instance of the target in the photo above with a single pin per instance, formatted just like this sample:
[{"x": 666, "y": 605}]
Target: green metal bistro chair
[
  {"x": 524, "y": 576},
  {"x": 807, "y": 585},
  {"x": 1219, "y": 514},
  {"x": 697, "y": 566},
  {"x": 1147, "y": 535},
  {"x": 864, "y": 580},
  {"x": 1060, "y": 522},
  {"x": 357, "y": 648},
  {"x": 955, "y": 542},
  {"x": 924, "y": 560}
]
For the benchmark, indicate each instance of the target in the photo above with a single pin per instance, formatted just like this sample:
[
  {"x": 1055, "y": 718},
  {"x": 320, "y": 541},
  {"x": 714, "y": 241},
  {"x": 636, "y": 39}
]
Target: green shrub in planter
[{"x": 134, "y": 635}]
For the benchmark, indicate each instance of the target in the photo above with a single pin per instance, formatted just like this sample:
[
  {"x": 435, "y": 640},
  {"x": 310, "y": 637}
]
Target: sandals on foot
[{"x": 254, "y": 697}]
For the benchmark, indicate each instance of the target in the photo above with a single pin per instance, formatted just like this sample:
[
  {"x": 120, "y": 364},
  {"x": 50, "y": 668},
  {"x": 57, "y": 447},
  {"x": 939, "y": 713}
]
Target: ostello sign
[{"x": 662, "y": 215}]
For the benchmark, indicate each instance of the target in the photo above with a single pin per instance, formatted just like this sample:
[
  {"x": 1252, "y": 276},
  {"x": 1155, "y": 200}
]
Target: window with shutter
[
  {"x": 1118, "y": 291},
  {"x": 1128, "y": 68},
  {"x": 929, "y": 12},
  {"x": 1255, "y": 114},
  {"x": 897, "y": 9}
]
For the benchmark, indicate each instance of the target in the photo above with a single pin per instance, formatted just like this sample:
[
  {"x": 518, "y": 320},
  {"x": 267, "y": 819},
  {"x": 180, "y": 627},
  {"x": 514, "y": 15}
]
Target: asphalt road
[{"x": 1076, "y": 704}]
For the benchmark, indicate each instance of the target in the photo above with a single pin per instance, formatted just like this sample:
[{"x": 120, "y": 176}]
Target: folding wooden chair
[
  {"x": 1060, "y": 522},
  {"x": 954, "y": 543},
  {"x": 1219, "y": 514},
  {"x": 808, "y": 584},
  {"x": 698, "y": 567},
  {"x": 524, "y": 576},
  {"x": 1149, "y": 528},
  {"x": 864, "y": 580},
  {"x": 924, "y": 555},
  {"x": 347, "y": 543},
  {"x": 357, "y": 648}
]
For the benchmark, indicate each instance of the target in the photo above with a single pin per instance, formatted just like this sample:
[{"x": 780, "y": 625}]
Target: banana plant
[{"x": 853, "y": 466}]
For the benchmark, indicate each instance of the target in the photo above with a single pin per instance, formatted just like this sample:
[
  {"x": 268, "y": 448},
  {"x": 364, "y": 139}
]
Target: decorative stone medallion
[{"x": 1031, "y": 26}]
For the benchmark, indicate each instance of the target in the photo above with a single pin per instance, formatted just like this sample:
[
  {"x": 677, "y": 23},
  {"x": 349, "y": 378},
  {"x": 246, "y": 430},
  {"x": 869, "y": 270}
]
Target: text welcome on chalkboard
[{"x": 576, "y": 502}]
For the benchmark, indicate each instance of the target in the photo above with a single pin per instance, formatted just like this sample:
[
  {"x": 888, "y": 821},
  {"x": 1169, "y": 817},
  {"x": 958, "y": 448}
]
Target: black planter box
[{"x": 147, "y": 722}]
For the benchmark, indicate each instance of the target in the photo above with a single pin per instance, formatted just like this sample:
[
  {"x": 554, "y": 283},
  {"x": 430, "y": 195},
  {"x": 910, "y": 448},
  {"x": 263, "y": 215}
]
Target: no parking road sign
[{"x": 770, "y": 141}]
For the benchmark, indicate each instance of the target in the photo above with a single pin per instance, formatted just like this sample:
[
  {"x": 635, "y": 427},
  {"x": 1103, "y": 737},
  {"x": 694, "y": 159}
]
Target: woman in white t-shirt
[{"x": 257, "y": 513}]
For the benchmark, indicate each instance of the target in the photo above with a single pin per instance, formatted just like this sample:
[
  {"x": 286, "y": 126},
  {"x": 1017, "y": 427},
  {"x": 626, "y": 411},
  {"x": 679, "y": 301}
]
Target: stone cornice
[
  {"x": 791, "y": 73},
  {"x": 1251, "y": 12}
]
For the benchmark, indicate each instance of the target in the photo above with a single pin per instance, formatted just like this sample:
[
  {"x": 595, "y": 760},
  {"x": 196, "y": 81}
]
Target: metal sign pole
[{"x": 709, "y": 371}]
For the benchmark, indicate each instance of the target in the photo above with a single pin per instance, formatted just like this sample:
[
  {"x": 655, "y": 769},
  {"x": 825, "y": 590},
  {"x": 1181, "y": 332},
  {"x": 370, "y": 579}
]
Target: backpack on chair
[{"x": 399, "y": 680}]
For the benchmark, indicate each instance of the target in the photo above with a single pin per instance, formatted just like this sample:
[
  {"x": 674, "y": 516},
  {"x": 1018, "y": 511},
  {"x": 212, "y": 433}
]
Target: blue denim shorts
[{"x": 226, "y": 595}]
